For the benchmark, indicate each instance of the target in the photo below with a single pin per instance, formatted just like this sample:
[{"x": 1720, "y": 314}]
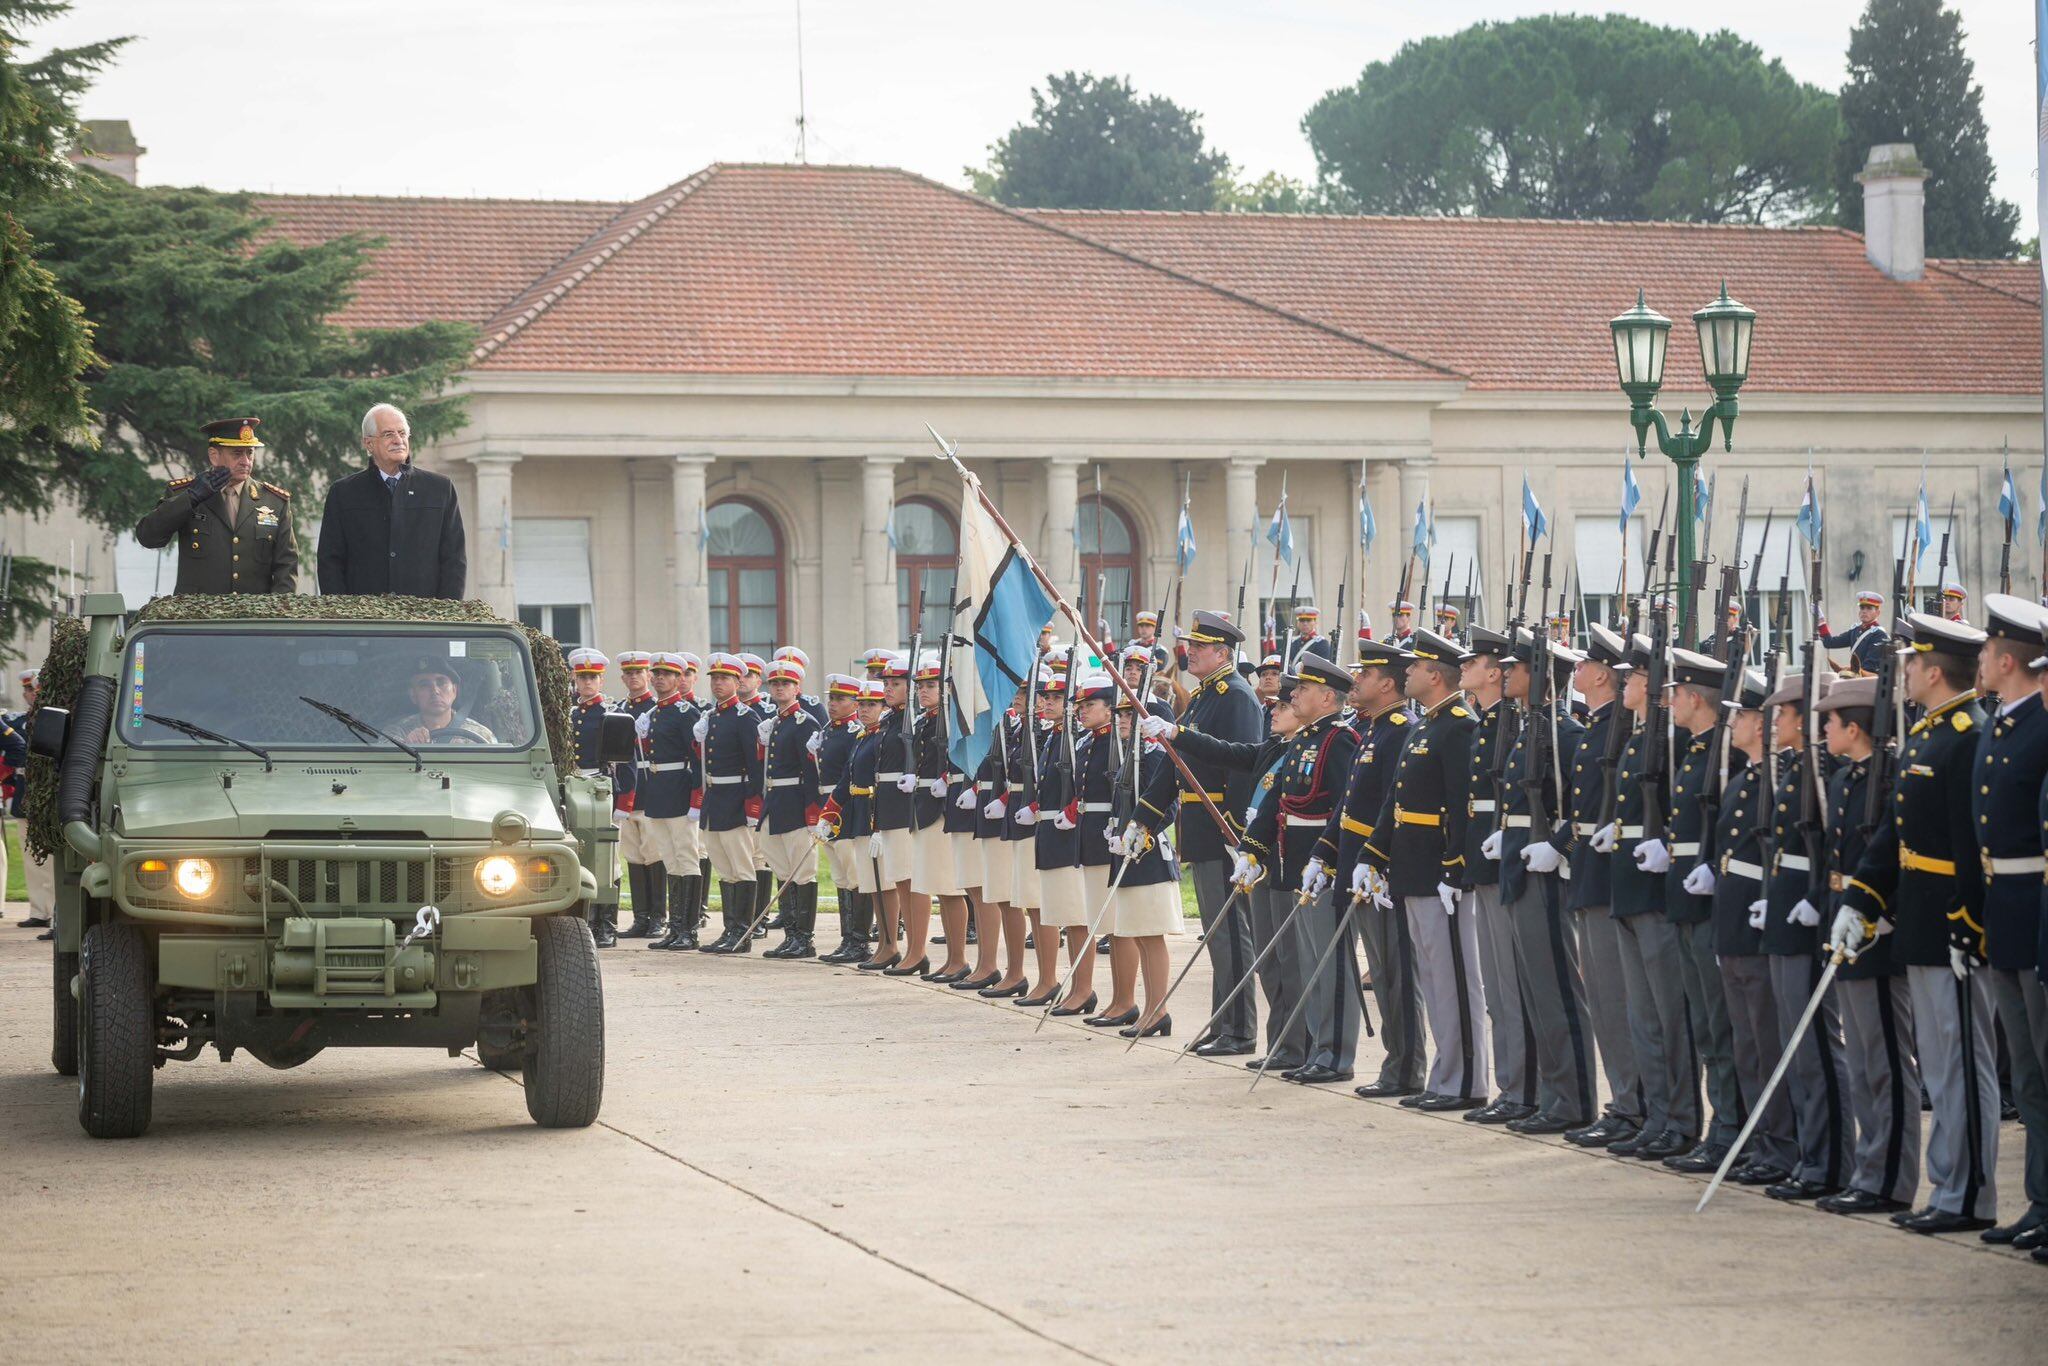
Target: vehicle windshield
[{"x": 470, "y": 688}]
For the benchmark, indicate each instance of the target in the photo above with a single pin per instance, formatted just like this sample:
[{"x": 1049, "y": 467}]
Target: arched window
[
  {"x": 1109, "y": 560},
  {"x": 745, "y": 567},
  {"x": 928, "y": 547}
]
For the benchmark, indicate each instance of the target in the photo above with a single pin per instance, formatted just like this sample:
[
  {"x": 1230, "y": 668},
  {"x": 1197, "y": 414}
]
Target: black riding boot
[
  {"x": 798, "y": 901},
  {"x": 853, "y": 944},
  {"x": 643, "y": 902},
  {"x": 661, "y": 923},
  {"x": 764, "y": 888},
  {"x": 736, "y": 911},
  {"x": 682, "y": 914},
  {"x": 603, "y": 924},
  {"x": 704, "y": 892}
]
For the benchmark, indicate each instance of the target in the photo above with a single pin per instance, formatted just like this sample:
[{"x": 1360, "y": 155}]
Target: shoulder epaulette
[
  {"x": 1960, "y": 719},
  {"x": 1459, "y": 711},
  {"x": 282, "y": 493},
  {"x": 177, "y": 484},
  {"x": 1399, "y": 718}
]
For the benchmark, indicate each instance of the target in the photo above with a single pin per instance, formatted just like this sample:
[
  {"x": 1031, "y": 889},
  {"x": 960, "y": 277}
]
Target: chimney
[
  {"x": 108, "y": 145},
  {"x": 1894, "y": 210}
]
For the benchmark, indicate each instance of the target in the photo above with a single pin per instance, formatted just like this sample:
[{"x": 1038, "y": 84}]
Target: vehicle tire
[
  {"x": 565, "y": 1048},
  {"x": 63, "y": 1014},
  {"x": 116, "y": 1031}
]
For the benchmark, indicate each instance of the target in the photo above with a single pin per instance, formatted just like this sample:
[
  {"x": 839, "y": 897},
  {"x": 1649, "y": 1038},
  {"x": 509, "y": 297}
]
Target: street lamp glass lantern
[
  {"x": 1725, "y": 327},
  {"x": 1641, "y": 337}
]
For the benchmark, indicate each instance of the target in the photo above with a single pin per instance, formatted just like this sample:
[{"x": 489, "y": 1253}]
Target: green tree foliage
[
  {"x": 201, "y": 314},
  {"x": 1910, "y": 81},
  {"x": 1272, "y": 193},
  {"x": 1563, "y": 116},
  {"x": 1094, "y": 143}
]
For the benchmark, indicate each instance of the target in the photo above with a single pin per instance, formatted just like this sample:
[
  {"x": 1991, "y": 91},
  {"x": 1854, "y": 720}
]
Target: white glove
[
  {"x": 1245, "y": 871},
  {"x": 619, "y": 818},
  {"x": 1156, "y": 727},
  {"x": 1653, "y": 857},
  {"x": 1447, "y": 894},
  {"x": 1490, "y": 846},
  {"x": 1541, "y": 857},
  {"x": 701, "y": 729},
  {"x": 822, "y": 832},
  {"x": 763, "y": 731},
  {"x": 753, "y": 822},
  {"x": 1805, "y": 915},
  {"x": 694, "y": 814},
  {"x": 1377, "y": 888},
  {"x": 936, "y": 786},
  {"x": 906, "y": 783},
  {"x": 965, "y": 801},
  {"x": 1700, "y": 881},
  {"x": 1027, "y": 815},
  {"x": 993, "y": 811},
  {"x": 1603, "y": 839},
  {"x": 1137, "y": 839},
  {"x": 875, "y": 845},
  {"x": 1758, "y": 911},
  {"x": 643, "y": 723},
  {"x": 815, "y": 743},
  {"x": 1060, "y": 821},
  {"x": 1848, "y": 935},
  {"x": 1959, "y": 963},
  {"x": 1315, "y": 878},
  {"x": 1361, "y": 878}
]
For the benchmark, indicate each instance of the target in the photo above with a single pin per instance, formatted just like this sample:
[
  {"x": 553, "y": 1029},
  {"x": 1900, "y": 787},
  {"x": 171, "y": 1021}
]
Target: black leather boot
[
  {"x": 787, "y": 918},
  {"x": 703, "y": 891},
  {"x": 764, "y": 888},
  {"x": 659, "y": 904},
  {"x": 603, "y": 924},
  {"x": 643, "y": 902},
  {"x": 804, "y": 921},
  {"x": 853, "y": 944},
  {"x": 736, "y": 911},
  {"x": 682, "y": 919}
]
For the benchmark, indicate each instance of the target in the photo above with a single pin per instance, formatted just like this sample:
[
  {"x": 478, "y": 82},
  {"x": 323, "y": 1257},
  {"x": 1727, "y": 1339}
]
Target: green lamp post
[{"x": 1642, "y": 337}]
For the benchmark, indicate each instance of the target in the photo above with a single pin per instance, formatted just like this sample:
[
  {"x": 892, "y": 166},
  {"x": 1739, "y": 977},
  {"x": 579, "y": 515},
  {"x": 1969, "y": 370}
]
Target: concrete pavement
[{"x": 803, "y": 1163}]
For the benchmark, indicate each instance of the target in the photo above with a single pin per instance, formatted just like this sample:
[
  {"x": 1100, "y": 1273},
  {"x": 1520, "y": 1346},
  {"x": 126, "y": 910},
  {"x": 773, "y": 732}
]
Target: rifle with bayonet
[
  {"x": 1539, "y": 720},
  {"x": 1505, "y": 728},
  {"x": 1941, "y": 565},
  {"x": 1656, "y": 776},
  {"x": 1730, "y": 645}
]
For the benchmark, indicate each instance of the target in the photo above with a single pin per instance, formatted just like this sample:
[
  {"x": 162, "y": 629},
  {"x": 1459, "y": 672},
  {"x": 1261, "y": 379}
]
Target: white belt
[
  {"x": 1685, "y": 847},
  {"x": 1629, "y": 832},
  {"x": 1488, "y": 805},
  {"x": 589, "y": 772},
  {"x": 670, "y": 768},
  {"x": 1999, "y": 867},
  {"x": 982, "y": 785},
  {"x": 1754, "y": 872},
  {"x": 1016, "y": 787},
  {"x": 1095, "y": 807},
  {"x": 1514, "y": 822},
  {"x": 721, "y": 779},
  {"x": 1799, "y": 863},
  {"x": 1585, "y": 829},
  {"x": 784, "y": 782},
  {"x": 1308, "y": 820},
  {"x": 888, "y": 777}
]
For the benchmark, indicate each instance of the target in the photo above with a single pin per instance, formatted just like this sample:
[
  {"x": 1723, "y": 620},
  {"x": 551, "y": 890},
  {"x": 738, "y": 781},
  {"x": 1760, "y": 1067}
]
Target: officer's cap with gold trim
[
  {"x": 928, "y": 667},
  {"x": 871, "y": 690},
  {"x": 785, "y": 671},
  {"x": 666, "y": 661},
  {"x": 2013, "y": 618},
  {"x": 873, "y": 660},
  {"x": 1870, "y": 597},
  {"x": 723, "y": 664},
  {"x": 1932, "y": 635},
  {"x": 1270, "y": 662},
  {"x": 1307, "y": 611},
  {"x": 1214, "y": 628},
  {"x": 1148, "y": 617},
  {"x": 754, "y": 664},
  {"x": 1690, "y": 666},
  {"x": 1606, "y": 647},
  {"x": 1436, "y": 649},
  {"x": 1378, "y": 654},
  {"x": 1313, "y": 668},
  {"x": 237, "y": 433},
  {"x": 792, "y": 652},
  {"x": 635, "y": 659},
  {"x": 587, "y": 661},
  {"x": 1094, "y": 688},
  {"x": 1490, "y": 643},
  {"x": 842, "y": 685}
]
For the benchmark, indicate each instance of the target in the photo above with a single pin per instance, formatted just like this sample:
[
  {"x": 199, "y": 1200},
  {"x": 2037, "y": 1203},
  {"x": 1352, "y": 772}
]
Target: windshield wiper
[
  {"x": 364, "y": 728},
  {"x": 202, "y": 733}
]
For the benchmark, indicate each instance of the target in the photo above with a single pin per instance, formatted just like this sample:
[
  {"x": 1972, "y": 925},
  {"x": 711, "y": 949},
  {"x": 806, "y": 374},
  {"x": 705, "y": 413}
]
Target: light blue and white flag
[
  {"x": 1923, "y": 525},
  {"x": 1280, "y": 534},
  {"x": 1631, "y": 496},
  {"x": 1809, "y": 520},
  {"x": 1368, "y": 525},
  {"x": 1184, "y": 537},
  {"x": 1000, "y": 606},
  {"x": 1533, "y": 520},
  {"x": 2008, "y": 503}
]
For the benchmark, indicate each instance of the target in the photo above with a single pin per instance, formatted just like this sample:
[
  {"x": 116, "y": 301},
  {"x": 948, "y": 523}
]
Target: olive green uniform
[{"x": 258, "y": 554}]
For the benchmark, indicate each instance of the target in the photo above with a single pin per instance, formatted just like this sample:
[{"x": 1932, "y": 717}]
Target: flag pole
[{"x": 1081, "y": 631}]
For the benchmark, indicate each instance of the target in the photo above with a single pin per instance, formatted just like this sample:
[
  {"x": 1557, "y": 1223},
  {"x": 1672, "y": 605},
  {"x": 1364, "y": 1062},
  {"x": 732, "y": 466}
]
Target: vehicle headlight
[
  {"x": 194, "y": 877},
  {"x": 497, "y": 875},
  {"x": 153, "y": 874}
]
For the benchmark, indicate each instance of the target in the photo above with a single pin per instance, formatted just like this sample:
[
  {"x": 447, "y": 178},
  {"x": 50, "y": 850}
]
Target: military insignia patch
[
  {"x": 266, "y": 516},
  {"x": 1266, "y": 781},
  {"x": 1222, "y": 686}
]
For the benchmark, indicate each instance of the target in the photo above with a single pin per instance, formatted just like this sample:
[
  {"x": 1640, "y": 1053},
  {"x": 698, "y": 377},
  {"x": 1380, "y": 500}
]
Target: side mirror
[
  {"x": 48, "y": 731},
  {"x": 617, "y": 741}
]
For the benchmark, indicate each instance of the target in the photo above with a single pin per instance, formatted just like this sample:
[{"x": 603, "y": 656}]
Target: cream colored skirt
[
  {"x": 1065, "y": 896},
  {"x": 1025, "y": 890},
  {"x": 996, "y": 871},
  {"x": 931, "y": 870},
  {"x": 1152, "y": 909}
]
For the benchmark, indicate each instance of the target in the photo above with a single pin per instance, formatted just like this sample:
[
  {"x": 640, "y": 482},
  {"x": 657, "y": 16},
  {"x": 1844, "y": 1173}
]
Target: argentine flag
[{"x": 1001, "y": 607}]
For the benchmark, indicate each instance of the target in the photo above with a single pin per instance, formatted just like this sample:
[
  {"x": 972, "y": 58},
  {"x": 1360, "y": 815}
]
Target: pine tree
[
  {"x": 1094, "y": 143},
  {"x": 1910, "y": 81}
]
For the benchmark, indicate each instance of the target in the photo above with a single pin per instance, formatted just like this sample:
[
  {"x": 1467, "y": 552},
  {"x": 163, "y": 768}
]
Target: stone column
[
  {"x": 878, "y": 561},
  {"x": 1414, "y": 489},
  {"x": 1241, "y": 527},
  {"x": 1062, "y": 505},
  {"x": 650, "y": 610},
  {"x": 490, "y": 544},
  {"x": 686, "y": 563}
]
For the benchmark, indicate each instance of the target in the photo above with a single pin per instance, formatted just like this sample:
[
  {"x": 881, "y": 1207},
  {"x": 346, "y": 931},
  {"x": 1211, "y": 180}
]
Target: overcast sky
[{"x": 611, "y": 99}]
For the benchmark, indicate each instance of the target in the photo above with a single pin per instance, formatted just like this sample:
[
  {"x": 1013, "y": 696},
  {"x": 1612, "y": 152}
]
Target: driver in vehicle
[{"x": 435, "y": 693}]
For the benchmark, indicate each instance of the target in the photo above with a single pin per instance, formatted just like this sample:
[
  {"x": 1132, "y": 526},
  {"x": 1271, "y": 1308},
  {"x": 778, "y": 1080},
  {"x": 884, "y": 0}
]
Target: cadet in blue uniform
[
  {"x": 833, "y": 747},
  {"x": 1923, "y": 875},
  {"x": 1017, "y": 813},
  {"x": 728, "y": 736},
  {"x": 994, "y": 916},
  {"x": 1481, "y": 674},
  {"x": 1104, "y": 807},
  {"x": 668, "y": 793},
  {"x": 646, "y": 880},
  {"x": 1883, "y": 1077},
  {"x": 849, "y": 819},
  {"x": 1306, "y": 638},
  {"x": 586, "y": 725},
  {"x": 1063, "y": 888},
  {"x": 895, "y": 787},
  {"x": 1865, "y": 641},
  {"x": 1383, "y": 722},
  {"x": 790, "y": 807},
  {"x": 1146, "y": 906},
  {"x": 1417, "y": 853},
  {"x": 812, "y": 707}
]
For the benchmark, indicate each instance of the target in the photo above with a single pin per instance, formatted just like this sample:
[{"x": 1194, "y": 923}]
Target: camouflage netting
[{"x": 65, "y": 668}]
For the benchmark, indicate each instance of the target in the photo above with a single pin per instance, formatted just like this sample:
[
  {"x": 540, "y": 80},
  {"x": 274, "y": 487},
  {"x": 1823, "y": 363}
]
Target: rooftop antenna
[{"x": 802, "y": 151}]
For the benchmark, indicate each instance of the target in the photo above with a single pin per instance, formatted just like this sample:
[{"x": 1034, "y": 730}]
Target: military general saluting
[{"x": 234, "y": 532}]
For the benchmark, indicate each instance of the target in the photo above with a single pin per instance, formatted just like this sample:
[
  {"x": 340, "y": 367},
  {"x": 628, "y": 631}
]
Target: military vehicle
[{"x": 284, "y": 834}]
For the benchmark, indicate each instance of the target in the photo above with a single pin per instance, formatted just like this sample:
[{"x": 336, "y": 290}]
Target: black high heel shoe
[
  {"x": 1160, "y": 1028},
  {"x": 1038, "y": 1002},
  {"x": 1129, "y": 1017},
  {"x": 921, "y": 968},
  {"x": 996, "y": 993},
  {"x": 880, "y": 964},
  {"x": 976, "y": 983},
  {"x": 947, "y": 979},
  {"x": 1081, "y": 1009}
]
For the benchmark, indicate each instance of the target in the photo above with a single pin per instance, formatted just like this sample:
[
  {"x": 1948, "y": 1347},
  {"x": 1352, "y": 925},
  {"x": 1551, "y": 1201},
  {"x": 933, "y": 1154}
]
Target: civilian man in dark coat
[{"x": 392, "y": 528}]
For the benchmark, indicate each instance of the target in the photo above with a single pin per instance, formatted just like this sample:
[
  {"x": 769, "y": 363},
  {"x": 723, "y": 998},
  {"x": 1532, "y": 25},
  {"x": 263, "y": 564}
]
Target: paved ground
[{"x": 798, "y": 1163}]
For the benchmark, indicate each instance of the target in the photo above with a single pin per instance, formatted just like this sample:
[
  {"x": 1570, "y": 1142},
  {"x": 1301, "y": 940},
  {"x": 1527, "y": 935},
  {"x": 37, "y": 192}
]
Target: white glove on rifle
[
  {"x": 906, "y": 783},
  {"x": 1603, "y": 839},
  {"x": 1156, "y": 727},
  {"x": 936, "y": 786},
  {"x": 1447, "y": 894},
  {"x": 1541, "y": 857},
  {"x": 815, "y": 743},
  {"x": 1315, "y": 878},
  {"x": 1490, "y": 846},
  {"x": 1700, "y": 881},
  {"x": 1759, "y": 911},
  {"x": 1028, "y": 815},
  {"x": 1849, "y": 935},
  {"x": 763, "y": 731},
  {"x": 1060, "y": 820},
  {"x": 1806, "y": 915},
  {"x": 993, "y": 811},
  {"x": 965, "y": 801},
  {"x": 1653, "y": 857},
  {"x": 1137, "y": 839},
  {"x": 702, "y": 728},
  {"x": 1113, "y": 839},
  {"x": 643, "y": 723},
  {"x": 1377, "y": 889}
]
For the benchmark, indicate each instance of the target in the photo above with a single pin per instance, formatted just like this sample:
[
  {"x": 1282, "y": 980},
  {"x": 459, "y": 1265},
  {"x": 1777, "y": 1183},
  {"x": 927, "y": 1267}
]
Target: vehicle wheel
[
  {"x": 116, "y": 1031},
  {"x": 565, "y": 1048},
  {"x": 498, "y": 1025},
  {"x": 63, "y": 1014}
]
